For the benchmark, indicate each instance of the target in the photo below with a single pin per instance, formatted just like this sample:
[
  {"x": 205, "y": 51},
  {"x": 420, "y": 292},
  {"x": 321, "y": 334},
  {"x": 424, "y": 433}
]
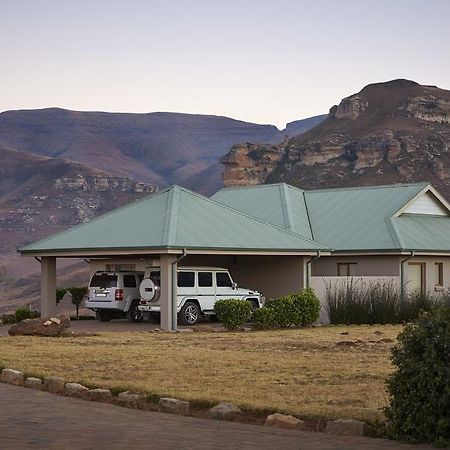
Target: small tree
[
  {"x": 78, "y": 294},
  {"x": 60, "y": 292}
]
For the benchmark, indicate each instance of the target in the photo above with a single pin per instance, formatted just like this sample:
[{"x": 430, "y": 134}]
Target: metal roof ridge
[
  {"x": 94, "y": 219},
  {"x": 381, "y": 186},
  {"x": 286, "y": 207},
  {"x": 236, "y": 188},
  {"x": 171, "y": 219},
  {"x": 393, "y": 232},
  {"x": 256, "y": 219}
]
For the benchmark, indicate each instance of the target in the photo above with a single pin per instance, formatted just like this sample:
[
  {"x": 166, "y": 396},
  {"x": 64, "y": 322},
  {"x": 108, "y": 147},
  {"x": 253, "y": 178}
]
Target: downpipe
[
  {"x": 174, "y": 289},
  {"x": 402, "y": 275},
  {"x": 309, "y": 267}
]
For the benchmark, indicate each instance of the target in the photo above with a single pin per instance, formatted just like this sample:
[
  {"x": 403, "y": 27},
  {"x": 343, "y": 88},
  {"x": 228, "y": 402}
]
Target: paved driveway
[{"x": 39, "y": 420}]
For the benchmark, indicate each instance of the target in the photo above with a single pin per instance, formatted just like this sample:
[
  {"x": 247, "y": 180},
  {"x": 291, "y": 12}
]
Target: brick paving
[{"x": 32, "y": 419}]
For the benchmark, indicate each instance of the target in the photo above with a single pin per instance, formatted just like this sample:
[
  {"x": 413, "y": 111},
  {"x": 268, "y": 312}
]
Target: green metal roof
[
  {"x": 175, "y": 218},
  {"x": 345, "y": 219},
  {"x": 280, "y": 204}
]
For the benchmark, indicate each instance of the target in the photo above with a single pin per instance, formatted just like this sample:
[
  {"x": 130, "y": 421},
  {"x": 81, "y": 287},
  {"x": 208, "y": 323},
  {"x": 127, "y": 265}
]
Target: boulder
[
  {"x": 131, "y": 399},
  {"x": 34, "y": 383},
  {"x": 173, "y": 405},
  {"x": 44, "y": 326},
  {"x": 11, "y": 376},
  {"x": 99, "y": 395},
  {"x": 284, "y": 421},
  {"x": 223, "y": 410},
  {"x": 347, "y": 427},
  {"x": 75, "y": 390},
  {"x": 54, "y": 385}
]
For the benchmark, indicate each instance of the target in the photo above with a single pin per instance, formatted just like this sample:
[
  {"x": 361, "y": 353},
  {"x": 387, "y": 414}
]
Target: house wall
[{"x": 431, "y": 272}]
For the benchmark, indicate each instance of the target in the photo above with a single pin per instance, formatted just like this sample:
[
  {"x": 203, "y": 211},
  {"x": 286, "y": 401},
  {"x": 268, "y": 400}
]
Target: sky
[{"x": 269, "y": 62}]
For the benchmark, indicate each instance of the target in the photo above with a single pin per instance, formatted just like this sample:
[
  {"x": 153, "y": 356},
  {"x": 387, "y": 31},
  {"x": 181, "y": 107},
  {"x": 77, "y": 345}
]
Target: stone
[
  {"x": 55, "y": 320},
  {"x": 131, "y": 399},
  {"x": 54, "y": 384},
  {"x": 173, "y": 405},
  {"x": 99, "y": 395},
  {"x": 40, "y": 327},
  {"x": 12, "y": 376},
  {"x": 223, "y": 410},
  {"x": 284, "y": 421},
  {"x": 347, "y": 427},
  {"x": 34, "y": 383},
  {"x": 75, "y": 390},
  {"x": 351, "y": 107}
]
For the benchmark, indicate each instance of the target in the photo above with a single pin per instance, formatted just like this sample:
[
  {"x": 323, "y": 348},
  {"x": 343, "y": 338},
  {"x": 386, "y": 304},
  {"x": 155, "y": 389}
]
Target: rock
[
  {"x": 351, "y": 107},
  {"x": 40, "y": 327},
  {"x": 55, "y": 320},
  {"x": 349, "y": 427},
  {"x": 131, "y": 399},
  {"x": 54, "y": 384},
  {"x": 173, "y": 405},
  {"x": 99, "y": 395},
  {"x": 284, "y": 421},
  {"x": 75, "y": 390},
  {"x": 223, "y": 410},
  {"x": 34, "y": 383},
  {"x": 12, "y": 376}
]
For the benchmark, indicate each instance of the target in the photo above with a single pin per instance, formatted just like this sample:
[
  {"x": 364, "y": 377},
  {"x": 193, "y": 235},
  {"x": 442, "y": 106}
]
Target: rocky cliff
[{"x": 391, "y": 132}]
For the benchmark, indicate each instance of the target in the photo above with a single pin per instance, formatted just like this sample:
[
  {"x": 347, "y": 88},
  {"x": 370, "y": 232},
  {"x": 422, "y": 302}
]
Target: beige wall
[
  {"x": 374, "y": 266},
  {"x": 430, "y": 271}
]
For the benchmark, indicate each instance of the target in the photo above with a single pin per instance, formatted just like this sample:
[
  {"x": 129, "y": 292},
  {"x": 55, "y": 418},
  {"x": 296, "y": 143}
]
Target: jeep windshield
[{"x": 103, "y": 280}]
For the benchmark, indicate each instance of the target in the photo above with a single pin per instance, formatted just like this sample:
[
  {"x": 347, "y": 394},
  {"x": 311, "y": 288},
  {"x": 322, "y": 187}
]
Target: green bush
[
  {"x": 78, "y": 294},
  {"x": 419, "y": 388},
  {"x": 233, "y": 313},
  {"x": 60, "y": 292},
  {"x": 25, "y": 313},
  {"x": 301, "y": 308},
  {"x": 8, "y": 319}
]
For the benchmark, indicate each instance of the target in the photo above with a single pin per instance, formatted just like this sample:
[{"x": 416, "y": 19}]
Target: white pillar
[
  {"x": 48, "y": 286},
  {"x": 166, "y": 292}
]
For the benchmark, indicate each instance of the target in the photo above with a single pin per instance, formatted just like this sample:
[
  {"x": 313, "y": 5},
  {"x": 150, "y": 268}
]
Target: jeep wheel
[
  {"x": 190, "y": 313},
  {"x": 103, "y": 316},
  {"x": 134, "y": 315}
]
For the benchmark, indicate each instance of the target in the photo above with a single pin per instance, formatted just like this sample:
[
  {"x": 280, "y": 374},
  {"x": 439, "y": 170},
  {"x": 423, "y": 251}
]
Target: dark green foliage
[
  {"x": 60, "y": 292},
  {"x": 78, "y": 294},
  {"x": 8, "y": 319},
  {"x": 25, "y": 313},
  {"x": 233, "y": 313},
  {"x": 419, "y": 388},
  {"x": 297, "y": 309},
  {"x": 357, "y": 303}
]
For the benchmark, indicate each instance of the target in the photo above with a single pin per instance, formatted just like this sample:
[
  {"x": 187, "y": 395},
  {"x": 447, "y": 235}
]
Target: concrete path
[{"x": 39, "y": 420}]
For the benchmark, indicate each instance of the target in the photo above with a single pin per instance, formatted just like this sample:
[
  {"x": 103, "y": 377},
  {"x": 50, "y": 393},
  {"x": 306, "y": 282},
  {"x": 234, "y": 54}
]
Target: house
[{"x": 274, "y": 238}]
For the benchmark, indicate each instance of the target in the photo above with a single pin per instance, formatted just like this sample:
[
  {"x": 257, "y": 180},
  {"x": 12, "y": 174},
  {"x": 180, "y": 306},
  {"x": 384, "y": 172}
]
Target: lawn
[{"x": 323, "y": 372}]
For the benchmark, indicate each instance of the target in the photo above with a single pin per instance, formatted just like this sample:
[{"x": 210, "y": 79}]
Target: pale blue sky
[{"x": 256, "y": 60}]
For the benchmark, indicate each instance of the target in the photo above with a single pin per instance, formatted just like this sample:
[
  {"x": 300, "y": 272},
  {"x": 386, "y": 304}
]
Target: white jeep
[{"x": 198, "y": 290}]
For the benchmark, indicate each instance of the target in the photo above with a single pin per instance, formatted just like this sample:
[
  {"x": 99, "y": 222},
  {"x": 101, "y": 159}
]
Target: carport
[{"x": 177, "y": 226}]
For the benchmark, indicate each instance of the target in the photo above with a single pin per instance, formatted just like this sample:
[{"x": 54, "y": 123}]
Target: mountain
[
  {"x": 397, "y": 131},
  {"x": 59, "y": 168}
]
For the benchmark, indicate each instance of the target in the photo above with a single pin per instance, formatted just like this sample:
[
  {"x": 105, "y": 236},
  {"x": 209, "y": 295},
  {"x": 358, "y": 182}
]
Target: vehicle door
[
  {"x": 206, "y": 290},
  {"x": 224, "y": 286},
  {"x": 186, "y": 285}
]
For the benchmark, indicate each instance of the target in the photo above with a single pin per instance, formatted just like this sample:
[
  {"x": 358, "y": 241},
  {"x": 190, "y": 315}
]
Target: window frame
[
  {"x": 186, "y": 272},
  {"x": 347, "y": 266},
  {"x": 440, "y": 268}
]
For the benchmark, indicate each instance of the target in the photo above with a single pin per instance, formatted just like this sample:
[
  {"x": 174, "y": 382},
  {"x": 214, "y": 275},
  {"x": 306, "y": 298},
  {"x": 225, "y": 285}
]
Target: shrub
[
  {"x": 60, "y": 292},
  {"x": 78, "y": 294},
  {"x": 8, "y": 319},
  {"x": 233, "y": 313},
  {"x": 306, "y": 307},
  {"x": 25, "y": 313},
  {"x": 419, "y": 409},
  {"x": 282, "y": 311},
  {"x": 264, "y": 318}
]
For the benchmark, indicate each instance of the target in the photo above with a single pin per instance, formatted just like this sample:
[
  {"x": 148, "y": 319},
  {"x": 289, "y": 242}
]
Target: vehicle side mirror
[{"x": 233, "y": 285}]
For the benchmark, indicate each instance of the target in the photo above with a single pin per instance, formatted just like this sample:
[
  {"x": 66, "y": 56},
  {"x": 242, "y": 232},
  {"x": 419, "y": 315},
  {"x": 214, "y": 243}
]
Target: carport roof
[{"x": 175, "y": 218}]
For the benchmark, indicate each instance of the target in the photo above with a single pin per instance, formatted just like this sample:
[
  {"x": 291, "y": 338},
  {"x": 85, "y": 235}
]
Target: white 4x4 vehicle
[
  {"x": 198, "y": 290},
  {"x": 115, "y": 295}
]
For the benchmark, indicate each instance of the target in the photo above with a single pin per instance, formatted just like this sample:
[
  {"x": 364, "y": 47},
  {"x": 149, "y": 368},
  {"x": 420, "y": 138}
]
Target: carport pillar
[
  {"x": 168, "y": 311},
  {"x": 48, "y": 286}
]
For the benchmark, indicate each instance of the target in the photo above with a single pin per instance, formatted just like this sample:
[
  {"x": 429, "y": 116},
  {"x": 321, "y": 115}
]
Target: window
[
  {"x": 186, "y": 279},
  {"x": 129, "y": 281},
  {"x": 205, "y": 279},
  {"x": 104, "y": 280},
  {"x": 223, "y": 279},
  {"x": 155, "y": 276},
  {"x": 439, "y": 270},
  {"x": 416, "y": 281},
  {"x": 346, "y": 269}
]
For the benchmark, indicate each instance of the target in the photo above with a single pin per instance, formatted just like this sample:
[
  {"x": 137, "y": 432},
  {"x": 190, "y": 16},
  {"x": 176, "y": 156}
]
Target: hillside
[{"x": 398, "y": 131}]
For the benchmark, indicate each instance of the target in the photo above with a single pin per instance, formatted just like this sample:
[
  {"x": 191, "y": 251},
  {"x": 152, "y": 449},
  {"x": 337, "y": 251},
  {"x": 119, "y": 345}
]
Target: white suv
[
  {"x": 198, "y": 290},
  {"x": 115, "y": 295}
]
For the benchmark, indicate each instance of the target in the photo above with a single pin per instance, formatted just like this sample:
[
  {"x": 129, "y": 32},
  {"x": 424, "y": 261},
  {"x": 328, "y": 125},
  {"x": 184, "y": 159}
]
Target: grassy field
[{"x": 324, "y": 372}]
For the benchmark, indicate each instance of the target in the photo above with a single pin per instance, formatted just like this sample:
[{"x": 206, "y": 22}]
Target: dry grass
[{"x": 312, "y": 373}]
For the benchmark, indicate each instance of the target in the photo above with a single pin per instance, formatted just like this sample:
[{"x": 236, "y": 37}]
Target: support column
[
  {"x": 48, "y": 286},
  {"x": 166, "y": 292}
]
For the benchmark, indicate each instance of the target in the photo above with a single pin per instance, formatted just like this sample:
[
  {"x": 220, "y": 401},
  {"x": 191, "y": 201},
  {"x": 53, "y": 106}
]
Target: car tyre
[
  {"x": 134, "y": 315},
  {"x": 103, "y": 316},
  {"x": 190, "y": 313}
]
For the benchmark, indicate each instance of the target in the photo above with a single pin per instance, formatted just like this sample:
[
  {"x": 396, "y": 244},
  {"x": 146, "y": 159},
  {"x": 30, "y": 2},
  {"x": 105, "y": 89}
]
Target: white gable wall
[{"x": 427, "y": 203}]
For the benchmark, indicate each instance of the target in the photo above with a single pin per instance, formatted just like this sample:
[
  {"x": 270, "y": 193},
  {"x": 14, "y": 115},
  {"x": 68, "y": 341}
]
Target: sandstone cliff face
[{"x": 389, "y": 132}]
